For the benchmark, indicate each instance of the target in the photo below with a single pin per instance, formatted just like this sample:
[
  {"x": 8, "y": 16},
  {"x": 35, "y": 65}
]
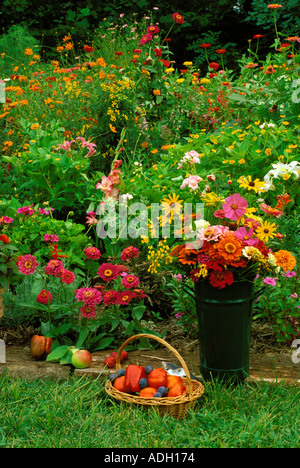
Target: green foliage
[{"x": 13, "y": 44}]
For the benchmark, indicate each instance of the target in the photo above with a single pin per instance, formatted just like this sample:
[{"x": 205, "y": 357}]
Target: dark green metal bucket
[{"x": 224, "y": 324}]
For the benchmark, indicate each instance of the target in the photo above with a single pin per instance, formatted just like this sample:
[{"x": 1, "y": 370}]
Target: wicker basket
[{"x": 176, "y": 406}]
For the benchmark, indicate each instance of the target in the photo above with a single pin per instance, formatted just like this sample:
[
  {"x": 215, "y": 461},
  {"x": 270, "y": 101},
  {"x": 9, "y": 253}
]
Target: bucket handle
[{"x": 257, "y": 293}]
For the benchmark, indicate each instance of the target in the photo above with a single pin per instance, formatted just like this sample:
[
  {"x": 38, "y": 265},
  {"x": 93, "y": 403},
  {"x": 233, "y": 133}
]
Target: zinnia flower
[
  {"x": 54, "y": 267},
  {"x": 124, "y": 297},
  {"x": 129, "y": 252},
  {"x": 88, "y": 311},
  {"x": 92, "y": 253},
  {"x": 67, "y": 276},
  {"x": 110, "y": 297},
  {"x": 45, "y": 297},
  {"x": 27, "y": 264},
  {"x": 221, "y": 51},
  {"x": 229, "y": 247},
  {"x": 178, "y": 18},
  {"x": 88, "y": 48},
  {"x": 108, "y": 271},
  {"x": 153, "y": 29},
  {"x": 219, "y": 279},
  {"x": 274, "y": 6},
  {"x": 285, "y": 260},
  {"x": 90, "y": 296},
  {"x": 130, "y": 281},
  {"x": 234, "y": 207}
]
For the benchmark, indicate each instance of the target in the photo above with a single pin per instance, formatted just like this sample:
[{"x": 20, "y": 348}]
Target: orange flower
[
  {"x": 285, "y": 260},
  {"x": 188, "y": 256},
  {"x": 68, "y": 46},
  {"x": 230, "y": 248},
  {"x": 28, "y": 51}
]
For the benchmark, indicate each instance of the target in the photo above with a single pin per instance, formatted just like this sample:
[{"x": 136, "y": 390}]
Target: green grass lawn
[{"x": 77, "y": 413}]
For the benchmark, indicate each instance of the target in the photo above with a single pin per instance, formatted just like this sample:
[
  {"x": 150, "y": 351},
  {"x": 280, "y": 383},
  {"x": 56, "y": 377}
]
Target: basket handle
[{"x": 160, "y": 340}]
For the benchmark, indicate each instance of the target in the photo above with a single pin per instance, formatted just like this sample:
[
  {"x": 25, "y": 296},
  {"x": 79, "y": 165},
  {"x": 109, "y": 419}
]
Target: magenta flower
[
  {"x": 234, "y": 207},
  {"x": 108, "y": 271},
  {"x": 246, "y": 236},
  {"x": 67, "y": 276},
  {"x": 270, "y": 281},
  {"x": 54, "y": 268},
  {"x": 27, "y": 264},
  {"x": 92, "y": 253},
  {"x": 90, "y": 296},
  {"x": 130, "y": 281}
]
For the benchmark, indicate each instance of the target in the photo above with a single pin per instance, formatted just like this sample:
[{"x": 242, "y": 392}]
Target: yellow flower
[
  {"x": 172, "y": 205},
  {"x": 268, "y": 151},
  {"x": 187, "y": 64},
  {"x": 242, "y": 161},
  {"x": 204, "y": 80},
  {"x": 256, "y": 185},
  {"x": 266, "y": 231}
]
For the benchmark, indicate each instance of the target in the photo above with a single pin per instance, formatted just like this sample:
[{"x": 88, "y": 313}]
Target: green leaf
[
  {"x": 138, "y": 311},
  {"x": 57, "y": 354}
]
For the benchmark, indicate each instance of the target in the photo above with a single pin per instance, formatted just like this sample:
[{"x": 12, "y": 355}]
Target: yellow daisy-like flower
[
  {"x": 256, "y": 185},
  {"x": 265, "y": 231},
  {"x": 171, "y": 205}
]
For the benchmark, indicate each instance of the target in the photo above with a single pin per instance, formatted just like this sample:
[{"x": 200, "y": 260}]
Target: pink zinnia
[
  {"x": 129, "y": 252},
  {"x": 234, "y": 207},
  {"x": 67, "y": 276},
  {"x": 130, "y": 281},
  {"x": 45, "y": 297},
  {"x": 146, "y": 38},
  {"x": 54, "y": 268},
  {"x": 211, "y": 233},
  {"x": 92, "y": 253},
  {"x": 27, "y": 264},
  {"x": 88, "y": 311},
  {"x": 108, "y": 271},
  {"x": 90, "y": 296}
]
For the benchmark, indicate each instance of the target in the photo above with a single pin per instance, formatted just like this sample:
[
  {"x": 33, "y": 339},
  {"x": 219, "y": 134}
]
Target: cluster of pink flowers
[
  {"x": 51, "y": 238},
  {"x": 26, "y": 210},
  {"x": 192, "y": 182},
  {"x": 90, "y": 297},
  {"x": 109, "y": 184},
  {"x": 6, "y": 220}
]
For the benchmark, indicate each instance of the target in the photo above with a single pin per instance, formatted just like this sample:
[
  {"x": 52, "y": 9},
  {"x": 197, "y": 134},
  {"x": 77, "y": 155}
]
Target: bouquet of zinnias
[{"x": 234, "y": 249}]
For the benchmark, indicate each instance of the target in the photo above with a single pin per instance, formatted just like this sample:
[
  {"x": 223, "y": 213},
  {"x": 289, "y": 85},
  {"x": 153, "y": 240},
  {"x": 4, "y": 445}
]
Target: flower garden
[{"x": 126, "y": 179}]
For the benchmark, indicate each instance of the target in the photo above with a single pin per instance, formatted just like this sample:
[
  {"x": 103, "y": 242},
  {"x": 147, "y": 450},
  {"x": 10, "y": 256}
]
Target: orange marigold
[{"x": 285, "y": 260}]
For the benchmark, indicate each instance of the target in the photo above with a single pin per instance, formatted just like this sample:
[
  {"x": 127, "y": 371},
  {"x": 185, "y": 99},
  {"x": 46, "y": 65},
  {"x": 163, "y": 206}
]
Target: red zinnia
[
  {"x": 45, "y": 297},
  {"x": 158, "y": 52},
  {"x": 153, "y": 29},
  {"x": 221, "y": 51},
  {"x": 205, "y": 46},
  {"x": 178, "y": 18},
  {"x": 219, "y": 279},
  {"x": 214, "y": 66},
  {"x": 257, "y": 36},
  {"x": 108, "y": 271}
]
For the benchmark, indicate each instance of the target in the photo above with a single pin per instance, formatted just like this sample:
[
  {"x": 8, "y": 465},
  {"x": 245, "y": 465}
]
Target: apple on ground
[{"x": 82, "y": 359}]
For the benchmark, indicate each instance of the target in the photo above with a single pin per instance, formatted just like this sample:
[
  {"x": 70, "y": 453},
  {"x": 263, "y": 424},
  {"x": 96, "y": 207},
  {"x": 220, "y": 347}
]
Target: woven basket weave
[{"x": 176, "y": 406}]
